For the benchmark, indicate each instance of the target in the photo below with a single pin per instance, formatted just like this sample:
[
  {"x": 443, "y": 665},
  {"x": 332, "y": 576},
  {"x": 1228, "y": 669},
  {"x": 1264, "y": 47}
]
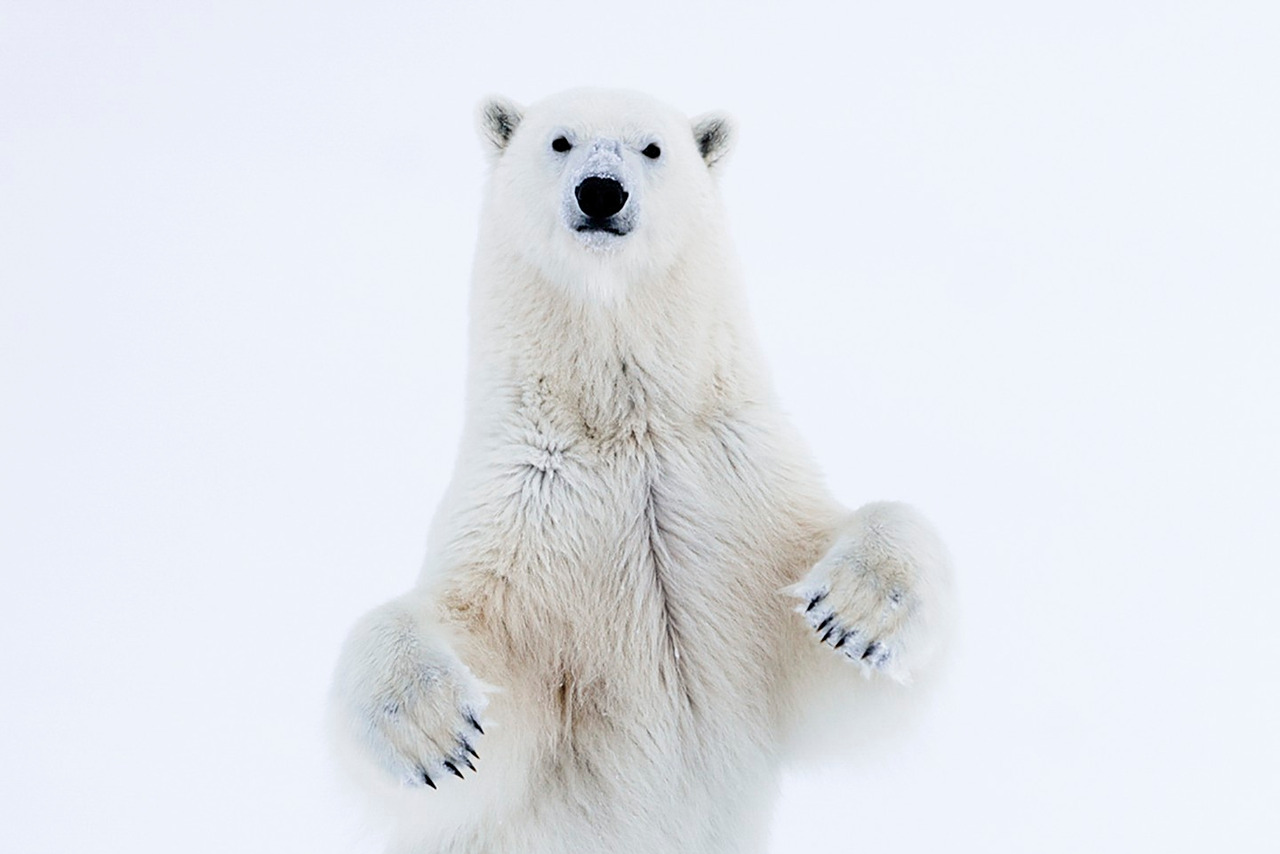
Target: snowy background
[{"x": 1020, "y": 266}]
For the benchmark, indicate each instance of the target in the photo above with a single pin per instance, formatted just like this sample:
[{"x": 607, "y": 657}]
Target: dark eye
[
  {"x": 560, "y": 144},
  {"x": 652, "y": 151}
]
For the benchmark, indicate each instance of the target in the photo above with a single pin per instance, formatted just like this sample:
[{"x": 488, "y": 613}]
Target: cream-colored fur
[{"x": 608, "y": 610}]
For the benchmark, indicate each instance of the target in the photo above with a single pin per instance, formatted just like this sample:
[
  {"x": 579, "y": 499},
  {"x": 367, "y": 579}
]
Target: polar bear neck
[{"x": 669, "y": 349}]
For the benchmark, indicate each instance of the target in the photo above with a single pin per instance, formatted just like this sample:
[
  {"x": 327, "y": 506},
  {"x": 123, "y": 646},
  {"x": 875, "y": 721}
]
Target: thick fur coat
[{"x": 637, "y": 583}]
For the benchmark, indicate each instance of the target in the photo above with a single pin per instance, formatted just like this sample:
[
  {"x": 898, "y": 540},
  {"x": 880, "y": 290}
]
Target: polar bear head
[{"x": 595, "y": 185}]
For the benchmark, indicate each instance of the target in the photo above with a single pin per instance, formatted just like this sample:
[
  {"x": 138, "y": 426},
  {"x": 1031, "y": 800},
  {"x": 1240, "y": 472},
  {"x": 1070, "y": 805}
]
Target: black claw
[
  {"x": 467, "y": 762},
  {"x": 471, "y": 719},
  {"x": 844, "y": 637},
  {"x": 814, "y": 601},
  {"x": 824, "y": 623},
  {"x": 426, "y": 778},
  {"x": 872, "y": 649},
  {"x": 467, "y": 747},
  {"x": 453, "y": 769},
  {"x": 829, "y": 633}
]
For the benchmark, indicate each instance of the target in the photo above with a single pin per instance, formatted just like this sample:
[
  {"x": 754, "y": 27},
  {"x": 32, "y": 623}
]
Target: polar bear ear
[
  {"x": 497, "y": 119},
  {"x": 713, "y": 133}
]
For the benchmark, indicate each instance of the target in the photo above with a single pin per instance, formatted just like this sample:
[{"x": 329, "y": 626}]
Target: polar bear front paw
[
  {"x": 407, "y": 700},
  {"x": 875, "y": 596}
]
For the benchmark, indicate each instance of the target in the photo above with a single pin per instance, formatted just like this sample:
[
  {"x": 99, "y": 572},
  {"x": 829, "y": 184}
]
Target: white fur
[{"x": 609, "y": 580}]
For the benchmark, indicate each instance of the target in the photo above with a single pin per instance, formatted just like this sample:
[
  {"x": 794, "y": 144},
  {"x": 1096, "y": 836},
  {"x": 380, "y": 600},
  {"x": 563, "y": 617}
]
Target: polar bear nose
[{"x": 600, "y": 198}]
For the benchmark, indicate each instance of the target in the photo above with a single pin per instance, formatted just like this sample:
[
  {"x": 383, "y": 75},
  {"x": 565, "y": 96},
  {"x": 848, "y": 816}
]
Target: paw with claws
[
  {"x": 407, "y": 699},
  {"x": 874, "y": 597},
  {"x": 446, "y": 759}
]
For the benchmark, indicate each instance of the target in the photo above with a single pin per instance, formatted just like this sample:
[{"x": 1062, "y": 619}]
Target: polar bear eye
[
  {"x": 652, "y": 151},
  {"x": 560, "y": 144}
]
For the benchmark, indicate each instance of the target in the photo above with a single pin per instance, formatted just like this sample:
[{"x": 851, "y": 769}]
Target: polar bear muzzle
[
  {"x": 599, "y": 201},
  {"x": 600, "y": 197}
]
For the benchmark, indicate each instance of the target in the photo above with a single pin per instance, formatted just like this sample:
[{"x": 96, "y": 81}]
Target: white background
[{"x": 1020, "y": 266}]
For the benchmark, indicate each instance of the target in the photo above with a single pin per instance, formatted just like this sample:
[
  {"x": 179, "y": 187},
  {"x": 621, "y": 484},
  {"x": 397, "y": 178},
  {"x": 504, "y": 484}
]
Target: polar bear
[{"x": 636, "y": 584}]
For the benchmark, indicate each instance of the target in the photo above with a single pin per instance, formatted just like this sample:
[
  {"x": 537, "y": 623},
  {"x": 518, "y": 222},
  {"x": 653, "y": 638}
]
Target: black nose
[{"x": 600, "y": 198}]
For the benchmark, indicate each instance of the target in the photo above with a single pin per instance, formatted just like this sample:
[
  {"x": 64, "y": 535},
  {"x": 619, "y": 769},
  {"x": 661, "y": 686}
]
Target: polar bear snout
[
  {"x": 599, "y": 201},
  {"x": 600, "y": 197},
  {"x": 599, "y": 206}
]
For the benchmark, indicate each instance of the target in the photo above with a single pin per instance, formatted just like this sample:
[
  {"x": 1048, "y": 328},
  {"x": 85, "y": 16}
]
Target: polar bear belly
[{"x": 627, "y": 604}]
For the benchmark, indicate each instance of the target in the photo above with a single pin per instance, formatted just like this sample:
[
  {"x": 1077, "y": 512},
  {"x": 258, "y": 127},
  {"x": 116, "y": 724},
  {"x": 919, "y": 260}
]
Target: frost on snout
[{"x": 598, "y": 201}]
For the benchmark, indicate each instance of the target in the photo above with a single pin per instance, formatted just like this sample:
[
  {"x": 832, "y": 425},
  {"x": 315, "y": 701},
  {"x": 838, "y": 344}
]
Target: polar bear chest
[{"x": 636, "y": 562}]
